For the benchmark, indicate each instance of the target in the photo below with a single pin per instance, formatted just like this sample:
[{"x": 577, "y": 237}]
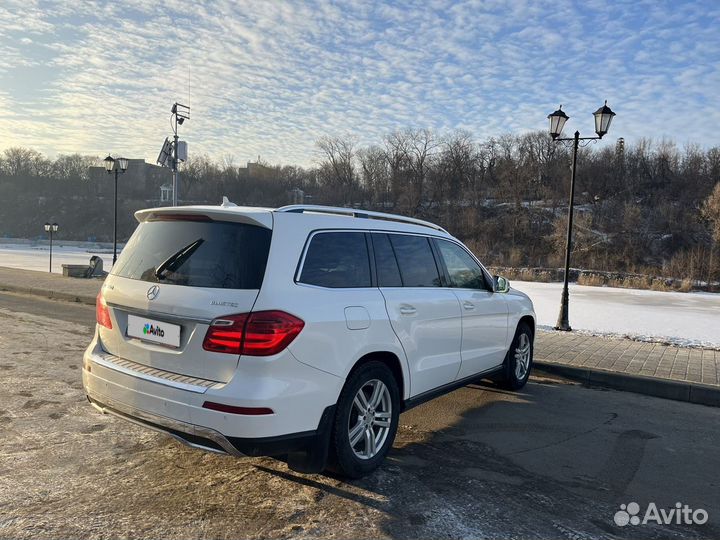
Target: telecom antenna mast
[{"x": 180, "y": 113}]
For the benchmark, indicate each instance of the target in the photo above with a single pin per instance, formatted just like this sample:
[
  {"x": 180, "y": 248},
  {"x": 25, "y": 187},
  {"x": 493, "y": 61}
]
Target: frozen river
[
  {"x": 37, "y": 256},
  {"x": 679, "y": 318}
]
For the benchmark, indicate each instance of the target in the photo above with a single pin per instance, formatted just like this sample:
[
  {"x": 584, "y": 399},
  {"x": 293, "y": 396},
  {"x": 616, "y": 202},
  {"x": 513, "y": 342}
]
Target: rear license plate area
[{"x": 153, "y": 331}]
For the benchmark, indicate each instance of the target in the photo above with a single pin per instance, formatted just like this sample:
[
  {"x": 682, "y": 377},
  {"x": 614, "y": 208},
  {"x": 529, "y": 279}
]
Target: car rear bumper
[
  {"x": 189, "y": 434},
  {"x": 202, "y": 438},
  {"x": 301, "y": 398}
]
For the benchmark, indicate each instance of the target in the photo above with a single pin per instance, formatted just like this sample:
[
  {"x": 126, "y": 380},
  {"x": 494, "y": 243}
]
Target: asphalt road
[
  {"x": 556, "y": 460},
  {"x": 66, "y": 311}
]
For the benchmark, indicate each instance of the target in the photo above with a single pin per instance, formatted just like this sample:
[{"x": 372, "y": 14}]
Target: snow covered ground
[
  {"x": 35, "y": 256},
  {"x": 686, "y": 319}
]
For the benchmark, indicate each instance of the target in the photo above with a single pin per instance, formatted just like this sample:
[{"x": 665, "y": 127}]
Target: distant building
[
  {"x": 141, "y": 181},
  {"x": 166, "y": 191},
  {"x": 254, "y": 170}
]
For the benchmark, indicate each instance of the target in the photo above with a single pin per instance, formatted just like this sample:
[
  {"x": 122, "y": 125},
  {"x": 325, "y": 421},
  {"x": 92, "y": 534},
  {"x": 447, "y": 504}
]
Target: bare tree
[
  {"x": 375, "y": 174},
  {"x": 410, "y": 155},
  {"x": 711, "y": 211},
  {"x": 644, "y": 206},
  {"x": 338, "y": 157}
]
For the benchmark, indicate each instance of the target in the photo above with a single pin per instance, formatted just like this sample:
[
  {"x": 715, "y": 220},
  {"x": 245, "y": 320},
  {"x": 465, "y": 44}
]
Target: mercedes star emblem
[{"x": 153, "y": 292}]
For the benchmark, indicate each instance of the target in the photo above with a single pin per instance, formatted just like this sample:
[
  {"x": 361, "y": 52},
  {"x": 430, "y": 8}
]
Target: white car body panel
[
  {"x": 428, "y": 323},
  {"x": 484, "y": 330}
]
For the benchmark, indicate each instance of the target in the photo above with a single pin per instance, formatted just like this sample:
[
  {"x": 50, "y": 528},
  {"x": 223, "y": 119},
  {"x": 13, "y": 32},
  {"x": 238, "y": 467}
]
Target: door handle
[
  {"x": 408, "y": 310},
  {"x": 469, "y": 306}
]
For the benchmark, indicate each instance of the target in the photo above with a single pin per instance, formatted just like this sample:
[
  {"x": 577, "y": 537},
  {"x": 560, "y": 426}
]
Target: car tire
[
  {"x": 519, "y": 358},
  {"x": 366, "y": 420}
]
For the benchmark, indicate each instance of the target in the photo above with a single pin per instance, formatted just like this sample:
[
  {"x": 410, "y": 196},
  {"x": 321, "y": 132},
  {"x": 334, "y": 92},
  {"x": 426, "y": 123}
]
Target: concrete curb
[
  {"x": 47, "y": 293},
  {"x": 691, "y": 392}
]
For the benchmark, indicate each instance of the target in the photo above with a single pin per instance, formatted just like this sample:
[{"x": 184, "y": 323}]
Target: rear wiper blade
[{"x": 176, "y": 260}]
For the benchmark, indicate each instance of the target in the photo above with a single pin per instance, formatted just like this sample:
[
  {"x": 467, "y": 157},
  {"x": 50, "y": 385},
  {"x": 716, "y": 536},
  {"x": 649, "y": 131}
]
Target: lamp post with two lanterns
[
  {"x": 51, "y": 228},
  {"x": 603, "y": 118},
  {"x": 119, "y": 166}
]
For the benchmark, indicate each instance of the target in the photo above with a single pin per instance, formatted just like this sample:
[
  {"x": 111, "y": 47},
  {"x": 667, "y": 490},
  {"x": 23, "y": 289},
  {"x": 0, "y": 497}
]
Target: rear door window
[
  {"x": 388, "y": 272},
  {"x": 337, "y": 260},
  {"x": 416, "y": 261},
  {"x": 214, "y": 254}
]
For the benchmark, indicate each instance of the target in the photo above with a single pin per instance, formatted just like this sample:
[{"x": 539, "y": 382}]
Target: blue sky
[{"x": 268, "y": 78}]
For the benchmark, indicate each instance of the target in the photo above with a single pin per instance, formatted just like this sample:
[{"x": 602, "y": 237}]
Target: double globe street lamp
[
  {"x": 119, "y": 166},
  {"x": 603, "y": 118},
  {"x": 51, "y": 228}
]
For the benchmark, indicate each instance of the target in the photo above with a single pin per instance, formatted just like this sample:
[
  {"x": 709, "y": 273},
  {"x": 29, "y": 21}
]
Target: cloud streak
[{"x": 269, "y": 78}]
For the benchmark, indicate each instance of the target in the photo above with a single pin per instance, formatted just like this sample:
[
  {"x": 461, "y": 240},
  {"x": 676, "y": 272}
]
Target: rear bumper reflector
[{"x": 248, "y": 411}]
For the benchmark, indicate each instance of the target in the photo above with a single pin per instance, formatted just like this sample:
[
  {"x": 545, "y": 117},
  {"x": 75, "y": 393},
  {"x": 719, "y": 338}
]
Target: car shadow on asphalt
[
  {"x": 549, "y": 461},
  {"x": 342, "y": 492}
]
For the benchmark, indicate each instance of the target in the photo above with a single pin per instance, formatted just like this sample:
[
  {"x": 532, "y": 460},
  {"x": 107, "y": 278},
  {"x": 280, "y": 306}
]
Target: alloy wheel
[
  {"x": 370, "y": 419},
  {"x": 522, "y": 356}
]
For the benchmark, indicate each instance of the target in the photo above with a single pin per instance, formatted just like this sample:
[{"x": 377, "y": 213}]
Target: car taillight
[
  {"x": 225, "y": 335},
  {"x": 261, "y": 333},
  {"x": 102, "y": 313},
  {"x": 269, "y": 332}
]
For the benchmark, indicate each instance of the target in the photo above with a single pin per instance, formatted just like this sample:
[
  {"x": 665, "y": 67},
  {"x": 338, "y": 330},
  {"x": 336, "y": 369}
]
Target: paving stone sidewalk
[
  {"x": 575, "y": 349},
  {"x": 621, "y": 355}
]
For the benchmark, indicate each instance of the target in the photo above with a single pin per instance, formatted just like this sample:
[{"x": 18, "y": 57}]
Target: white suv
[{"x": 300, "y": 332}]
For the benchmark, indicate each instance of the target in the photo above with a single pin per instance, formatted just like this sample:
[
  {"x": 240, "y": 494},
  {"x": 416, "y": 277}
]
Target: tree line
[{"x": 646, "y": 207}]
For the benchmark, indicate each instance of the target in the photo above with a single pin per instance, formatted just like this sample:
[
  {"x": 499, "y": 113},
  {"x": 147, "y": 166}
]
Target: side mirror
[{"x": 502, "y": 285}]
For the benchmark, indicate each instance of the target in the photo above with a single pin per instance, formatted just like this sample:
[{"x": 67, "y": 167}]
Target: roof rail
[{"x": 352, "y": 212}]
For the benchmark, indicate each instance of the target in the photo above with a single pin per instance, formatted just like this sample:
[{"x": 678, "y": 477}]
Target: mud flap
[{"x": 314, "y": 458}]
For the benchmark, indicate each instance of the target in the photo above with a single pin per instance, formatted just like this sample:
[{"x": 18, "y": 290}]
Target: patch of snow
[
  {"x": 682, "y": 319},
  {"x": 664, "y": 340},
  {"x": 37, "y": 256}
]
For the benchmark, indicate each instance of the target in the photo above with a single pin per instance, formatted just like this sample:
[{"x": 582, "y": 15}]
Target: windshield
[{"x": 214, "y": 254}]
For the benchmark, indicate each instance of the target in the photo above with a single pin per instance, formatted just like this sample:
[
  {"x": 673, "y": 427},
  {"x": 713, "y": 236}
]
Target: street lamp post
[
  {"x": 603, "y": 118},
  {"x": 119, "y": 166},
  {"x": 51, "y": 228}
]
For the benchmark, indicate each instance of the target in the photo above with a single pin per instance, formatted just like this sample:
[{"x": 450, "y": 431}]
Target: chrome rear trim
[
  {"x": 162, "y": 424},
  {"x": 169, "y": 317},
  {"x": 159, "y": 376}
]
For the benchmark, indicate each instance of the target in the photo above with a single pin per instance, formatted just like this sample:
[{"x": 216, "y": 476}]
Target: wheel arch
[
  {"x": 530, "y": 321},
  {"x": 392, "y": 361}
]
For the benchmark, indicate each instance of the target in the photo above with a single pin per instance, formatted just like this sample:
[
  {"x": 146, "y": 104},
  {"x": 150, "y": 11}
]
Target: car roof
[{"x": 325, "y": 216}]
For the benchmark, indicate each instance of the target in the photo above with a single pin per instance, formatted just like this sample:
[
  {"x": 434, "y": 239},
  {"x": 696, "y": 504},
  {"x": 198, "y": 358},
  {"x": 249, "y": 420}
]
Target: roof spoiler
[{"x": 260, "y": 217}]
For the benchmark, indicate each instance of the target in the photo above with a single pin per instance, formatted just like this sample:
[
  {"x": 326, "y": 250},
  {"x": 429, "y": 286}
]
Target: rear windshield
[{"x": 213, "y": 254}]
